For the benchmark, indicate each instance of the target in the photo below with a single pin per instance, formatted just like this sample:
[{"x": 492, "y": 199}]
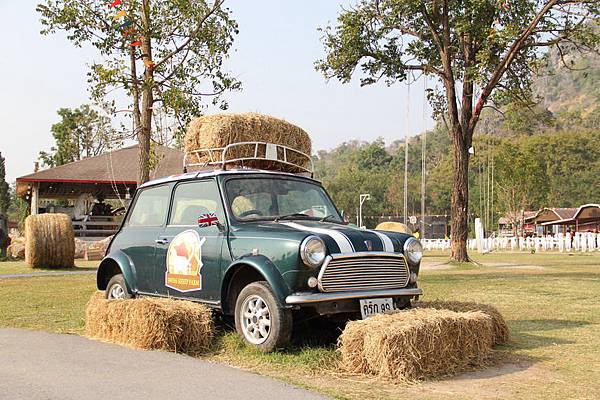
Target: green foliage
[
  {"x": 387, "y": 39},
  {"x": 4, "y": 192},
  {"x": 179, "y": 62},
  {"x": 18, "y": 210},
  {"x": 82, "y": 132}
]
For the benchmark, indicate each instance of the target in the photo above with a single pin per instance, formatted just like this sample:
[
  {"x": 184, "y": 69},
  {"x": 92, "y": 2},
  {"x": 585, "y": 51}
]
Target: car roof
[{"x": 217, "y": 172}]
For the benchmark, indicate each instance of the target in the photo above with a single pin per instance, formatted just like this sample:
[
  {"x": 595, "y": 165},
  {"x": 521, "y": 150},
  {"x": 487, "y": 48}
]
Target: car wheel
[
  {"x": 260, "y": 319},
  {"x": 117, "y": 289}
]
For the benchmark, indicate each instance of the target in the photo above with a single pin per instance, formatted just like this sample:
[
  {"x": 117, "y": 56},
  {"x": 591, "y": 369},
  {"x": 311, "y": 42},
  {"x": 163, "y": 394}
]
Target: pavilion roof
[{"x": 117, "y": 167}]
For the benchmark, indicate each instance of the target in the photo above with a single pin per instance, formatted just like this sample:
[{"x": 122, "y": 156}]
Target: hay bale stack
[
  {"x": 16, "y": 249},
  {"x": 417, "y": 343},
  {"x": 214, "y": 131},
  {"x": 394, "y": 227},
  {"x": 150, "y": 323},
  {"x": 49, "y": 241},
  {"x": 501, "y": 333}
]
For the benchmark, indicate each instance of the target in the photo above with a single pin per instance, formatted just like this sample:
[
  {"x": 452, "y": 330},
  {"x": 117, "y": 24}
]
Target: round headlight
[
  {"x": 312, "y": 251},
  {"x": 413, "y": 250}
]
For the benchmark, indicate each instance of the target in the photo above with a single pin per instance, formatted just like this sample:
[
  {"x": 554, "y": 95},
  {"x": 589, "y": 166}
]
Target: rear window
[{"x": 151, "y": 207}]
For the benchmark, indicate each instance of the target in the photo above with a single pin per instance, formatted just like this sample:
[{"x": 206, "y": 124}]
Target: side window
[
  {"x": 194, "y": 199},
  {"x": 151, "y": 207}
]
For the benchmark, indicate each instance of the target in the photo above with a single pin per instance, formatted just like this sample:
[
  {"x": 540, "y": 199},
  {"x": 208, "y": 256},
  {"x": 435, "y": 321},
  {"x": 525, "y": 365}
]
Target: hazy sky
[{"x": 274, "y": 56}]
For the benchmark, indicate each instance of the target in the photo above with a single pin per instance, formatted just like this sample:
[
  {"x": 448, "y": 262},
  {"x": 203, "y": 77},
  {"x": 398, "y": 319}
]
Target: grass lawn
[
  {"x": 550, "y": 301},
  {"x": 19, "y": 267}
]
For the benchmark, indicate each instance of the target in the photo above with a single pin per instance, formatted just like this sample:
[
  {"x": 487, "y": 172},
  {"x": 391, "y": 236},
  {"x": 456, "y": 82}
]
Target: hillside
[{"x": 545, "y": 156}]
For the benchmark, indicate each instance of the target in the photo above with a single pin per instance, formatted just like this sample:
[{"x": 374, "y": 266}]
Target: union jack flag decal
[{"x": 208, "y": 219}]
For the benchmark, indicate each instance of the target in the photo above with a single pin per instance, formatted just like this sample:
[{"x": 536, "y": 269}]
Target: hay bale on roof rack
[{"x": 217, "y": 131}]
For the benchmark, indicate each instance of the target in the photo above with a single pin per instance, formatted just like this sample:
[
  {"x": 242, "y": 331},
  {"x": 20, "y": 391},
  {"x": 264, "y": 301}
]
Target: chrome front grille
[{"x": 363, "y": 271}]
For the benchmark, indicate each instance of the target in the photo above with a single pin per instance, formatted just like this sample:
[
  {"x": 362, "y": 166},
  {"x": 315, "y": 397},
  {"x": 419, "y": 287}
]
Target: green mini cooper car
[{"x": 262, "y": 246}]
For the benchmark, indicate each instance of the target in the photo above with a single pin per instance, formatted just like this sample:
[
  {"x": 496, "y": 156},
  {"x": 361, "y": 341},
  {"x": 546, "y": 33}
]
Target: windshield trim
[{"x": 309, "y": 181}]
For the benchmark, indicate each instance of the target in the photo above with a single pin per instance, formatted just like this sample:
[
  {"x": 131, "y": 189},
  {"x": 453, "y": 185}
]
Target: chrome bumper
[{"x": 304, "y": 298}]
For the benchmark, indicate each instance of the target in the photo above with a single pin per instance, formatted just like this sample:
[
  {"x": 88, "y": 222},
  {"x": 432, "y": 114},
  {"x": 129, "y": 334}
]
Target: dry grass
[
  {"x": 501, "y": 333},
  {"x": 151, "y": 324},
  {"x": 417, "y": 343},
  {"x": 49, "y": 241},
  {"x": 214, "y": 131}
]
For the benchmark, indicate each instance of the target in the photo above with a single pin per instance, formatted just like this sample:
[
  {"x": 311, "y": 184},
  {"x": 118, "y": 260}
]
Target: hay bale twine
[
  {"x": 150, "y": 323},
  {"x": 394, "y": 227},
  {"x": 417, "y": 343},
  {"x": 220, "y": 130},
  {"x": 49, "y": 241},
  {"x": 501, "y": 332}
]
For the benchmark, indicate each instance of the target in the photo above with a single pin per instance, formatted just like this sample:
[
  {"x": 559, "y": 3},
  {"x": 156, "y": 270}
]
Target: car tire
[
  {"x": 260, "y": 319},
  {"x": 117, "y": 289}
]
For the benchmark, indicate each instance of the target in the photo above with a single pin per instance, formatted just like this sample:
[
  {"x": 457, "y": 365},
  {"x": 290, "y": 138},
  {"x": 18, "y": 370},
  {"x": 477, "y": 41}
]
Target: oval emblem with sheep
[{"x": 184, "y": 262}]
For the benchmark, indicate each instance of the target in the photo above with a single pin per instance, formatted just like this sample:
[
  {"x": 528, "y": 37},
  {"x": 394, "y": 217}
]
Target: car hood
[{"x": 337, "y": 237}]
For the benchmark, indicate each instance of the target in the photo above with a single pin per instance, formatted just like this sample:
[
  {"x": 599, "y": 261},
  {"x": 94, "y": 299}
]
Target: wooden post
[{"x": 35, "y": 198}]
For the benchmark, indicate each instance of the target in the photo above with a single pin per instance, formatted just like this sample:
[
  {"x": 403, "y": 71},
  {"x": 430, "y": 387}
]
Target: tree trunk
[
  {"x": 460, "y": 196},
  {"x": 145, "y": 129}
]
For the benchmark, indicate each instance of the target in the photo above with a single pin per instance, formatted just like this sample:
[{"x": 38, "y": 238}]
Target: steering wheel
[{"x": 250, "y": 212}]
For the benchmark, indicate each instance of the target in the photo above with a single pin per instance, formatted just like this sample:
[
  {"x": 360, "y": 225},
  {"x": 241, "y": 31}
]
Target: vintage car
[{"x": 260, "y": 245}]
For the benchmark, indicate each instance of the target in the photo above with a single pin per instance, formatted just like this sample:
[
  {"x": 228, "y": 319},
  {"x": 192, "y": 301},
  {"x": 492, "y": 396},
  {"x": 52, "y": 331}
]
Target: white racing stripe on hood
[
  {"x": 388, "y": 246},
  {"x": 341, "y": 240}
]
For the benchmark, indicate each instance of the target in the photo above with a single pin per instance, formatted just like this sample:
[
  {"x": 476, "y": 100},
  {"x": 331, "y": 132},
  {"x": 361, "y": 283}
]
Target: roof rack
[{"x": 252, "y": 152}]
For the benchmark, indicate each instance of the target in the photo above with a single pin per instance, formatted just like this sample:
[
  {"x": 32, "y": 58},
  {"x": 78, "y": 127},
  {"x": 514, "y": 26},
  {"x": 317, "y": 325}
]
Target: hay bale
[
  {"x": 150, "y": 323},
  {"x": 96, "y": 250},
  {"x": 417, "y": 343},
  {"x": 501, "y": 333},
  {"x": 213, "y": 131},
  {"x": 49, "y": 241},
  {"x": 394, "y": 227},
  {"x": 16, "y": 251}
]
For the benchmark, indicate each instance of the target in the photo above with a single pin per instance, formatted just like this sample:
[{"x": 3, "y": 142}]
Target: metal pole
[
  {"x": 362, "y": 198},
  {"x": 406, "y": 153},
  {"x": 423, "y": 163}
]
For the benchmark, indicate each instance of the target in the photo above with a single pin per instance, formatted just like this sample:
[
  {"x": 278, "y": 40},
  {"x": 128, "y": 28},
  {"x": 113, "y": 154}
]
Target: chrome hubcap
[
  {"x": 256, "y": 319},
  {"x": 116, "y": 292}
]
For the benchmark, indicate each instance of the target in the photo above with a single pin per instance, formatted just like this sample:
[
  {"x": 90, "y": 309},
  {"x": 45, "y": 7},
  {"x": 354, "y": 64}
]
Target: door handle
[{"x": 162, "y": 241}]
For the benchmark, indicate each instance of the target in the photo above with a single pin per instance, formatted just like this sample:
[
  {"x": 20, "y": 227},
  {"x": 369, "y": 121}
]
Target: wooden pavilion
[{"x": 112, "y": 176}]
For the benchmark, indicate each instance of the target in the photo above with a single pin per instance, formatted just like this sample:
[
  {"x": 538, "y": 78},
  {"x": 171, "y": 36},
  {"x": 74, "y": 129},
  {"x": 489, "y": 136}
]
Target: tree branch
[
  {"x": 217, "y": 4},
  {"x": 512, "y": 52}
]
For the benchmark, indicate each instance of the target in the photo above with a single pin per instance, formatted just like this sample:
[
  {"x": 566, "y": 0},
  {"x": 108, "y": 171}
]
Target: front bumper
[{"x": 307, "y": 298}]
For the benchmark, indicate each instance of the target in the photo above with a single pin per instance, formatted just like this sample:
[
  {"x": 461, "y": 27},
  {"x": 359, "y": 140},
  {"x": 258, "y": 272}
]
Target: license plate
[{"x": 370, "y": 307}]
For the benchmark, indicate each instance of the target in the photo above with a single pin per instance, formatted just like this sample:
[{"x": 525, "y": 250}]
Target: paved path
[
  {"x": 39, "y": 365},
  {"x": 56, "y": 273}
]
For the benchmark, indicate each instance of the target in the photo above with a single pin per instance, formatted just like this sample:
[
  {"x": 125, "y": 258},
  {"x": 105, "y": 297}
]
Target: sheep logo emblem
[{"x": 184, "y": 262}]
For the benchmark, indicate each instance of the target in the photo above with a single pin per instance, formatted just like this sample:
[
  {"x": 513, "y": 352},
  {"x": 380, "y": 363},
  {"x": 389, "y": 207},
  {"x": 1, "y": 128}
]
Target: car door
[
  {"x": 137, "y": 239},
  {"x": 190, "y": 248}
]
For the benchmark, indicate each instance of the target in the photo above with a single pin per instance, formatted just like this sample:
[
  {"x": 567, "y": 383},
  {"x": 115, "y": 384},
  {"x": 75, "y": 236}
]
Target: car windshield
[{"x": 252, "y": 199}]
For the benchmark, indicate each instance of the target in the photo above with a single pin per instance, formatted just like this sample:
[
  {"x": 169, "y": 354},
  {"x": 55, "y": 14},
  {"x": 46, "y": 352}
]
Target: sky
[{"x": 273, "y": 56}]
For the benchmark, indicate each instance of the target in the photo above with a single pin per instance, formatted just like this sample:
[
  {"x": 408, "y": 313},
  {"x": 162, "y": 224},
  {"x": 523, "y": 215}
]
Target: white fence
[{"x": 581, "y": 242}]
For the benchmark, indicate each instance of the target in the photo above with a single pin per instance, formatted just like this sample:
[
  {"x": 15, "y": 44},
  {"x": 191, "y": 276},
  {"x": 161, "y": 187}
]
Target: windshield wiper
[{"x": 291, "y": 216}]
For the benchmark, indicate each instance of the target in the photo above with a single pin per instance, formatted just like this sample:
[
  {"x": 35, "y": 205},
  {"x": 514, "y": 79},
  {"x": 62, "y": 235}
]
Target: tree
[
  {"x": 521, "y": 180},
  {"x": 164, "y": 54},
  {"x": 480, "y": 51},
  {"x": 82, "y": 132},
  {"x": 4, "y": 192}
]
